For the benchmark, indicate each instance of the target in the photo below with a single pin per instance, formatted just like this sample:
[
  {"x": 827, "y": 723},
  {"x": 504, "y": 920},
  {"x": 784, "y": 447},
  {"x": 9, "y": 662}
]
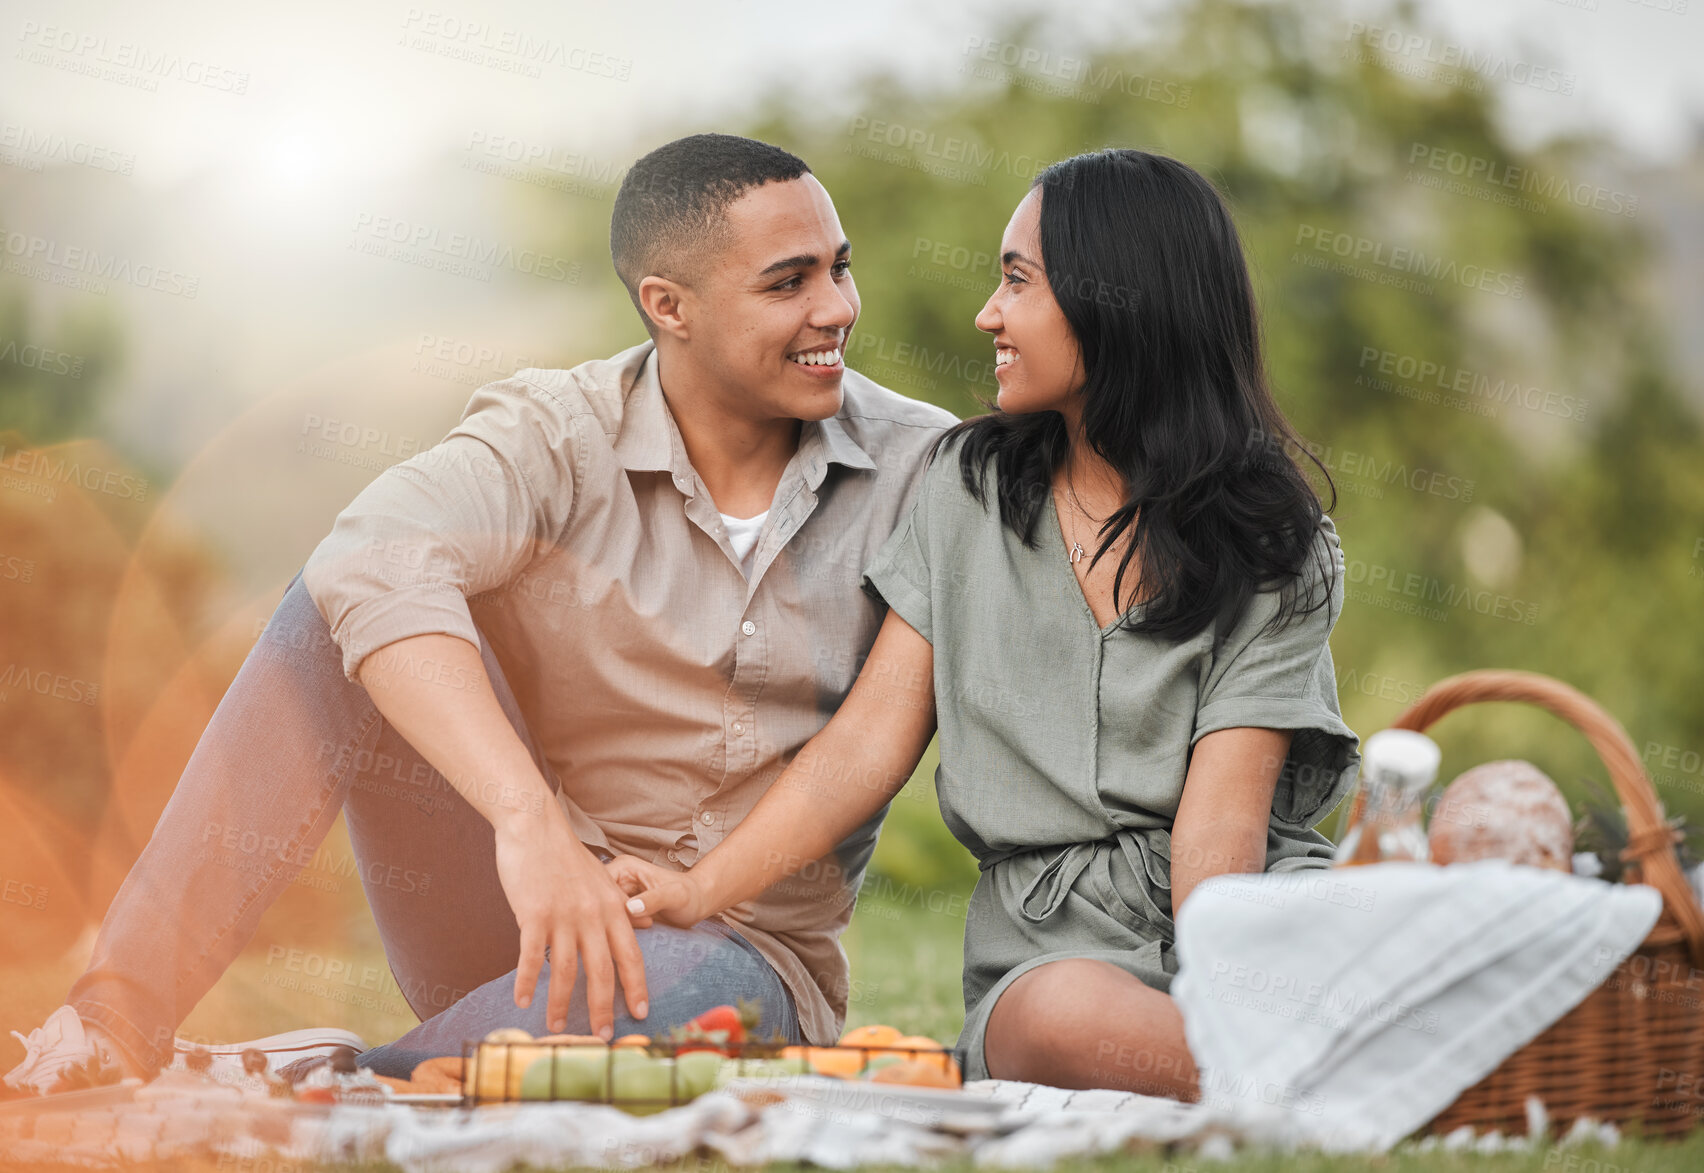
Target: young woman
[{"x": 1114, "y": 593}]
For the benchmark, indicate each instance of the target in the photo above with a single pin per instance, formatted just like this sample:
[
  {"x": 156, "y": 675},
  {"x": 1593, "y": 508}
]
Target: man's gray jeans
[{"x": 292, "y": 743}]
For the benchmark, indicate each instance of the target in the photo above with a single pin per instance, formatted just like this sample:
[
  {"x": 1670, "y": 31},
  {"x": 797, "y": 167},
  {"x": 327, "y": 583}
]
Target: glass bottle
[{"x": 1398, "y": 767}]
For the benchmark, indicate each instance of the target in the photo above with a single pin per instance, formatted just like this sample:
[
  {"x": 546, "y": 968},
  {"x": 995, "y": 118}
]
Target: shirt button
[
  {"x": 749, "y": 627},
  {"x": 674, "y": 856},
  {"x": 738, "y": 728},
  {"x": 706, "y": 818}
]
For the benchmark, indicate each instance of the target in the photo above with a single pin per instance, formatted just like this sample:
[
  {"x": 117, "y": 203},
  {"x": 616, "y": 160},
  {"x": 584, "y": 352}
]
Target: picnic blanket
[
  {"x": 996, "y": 1124},
  {"x": 1367, "y": 1000}
]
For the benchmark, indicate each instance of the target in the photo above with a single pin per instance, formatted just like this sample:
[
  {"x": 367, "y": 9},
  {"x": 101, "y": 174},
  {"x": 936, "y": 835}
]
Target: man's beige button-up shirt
[{"x": 562, "y": 519}]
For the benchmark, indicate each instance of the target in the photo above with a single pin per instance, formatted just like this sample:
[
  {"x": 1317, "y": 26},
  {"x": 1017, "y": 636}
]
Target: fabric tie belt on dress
[{"x": 1143, "y": 854}]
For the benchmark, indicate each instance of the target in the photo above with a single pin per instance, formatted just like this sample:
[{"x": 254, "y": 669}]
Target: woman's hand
[{"x": 659, "y": 893}]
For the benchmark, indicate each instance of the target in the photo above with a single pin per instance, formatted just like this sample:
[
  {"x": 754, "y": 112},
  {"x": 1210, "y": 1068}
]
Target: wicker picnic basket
[{"x": 1632, "y": 1053}]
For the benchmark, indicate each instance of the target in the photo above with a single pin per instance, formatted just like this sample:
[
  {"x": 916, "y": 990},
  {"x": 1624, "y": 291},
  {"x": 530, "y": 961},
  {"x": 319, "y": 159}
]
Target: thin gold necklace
[{"x": 1076, "y": 552}]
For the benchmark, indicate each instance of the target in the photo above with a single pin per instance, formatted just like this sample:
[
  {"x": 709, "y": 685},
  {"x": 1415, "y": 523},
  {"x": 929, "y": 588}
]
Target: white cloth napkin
[{"x": 1360, "y": 1002}]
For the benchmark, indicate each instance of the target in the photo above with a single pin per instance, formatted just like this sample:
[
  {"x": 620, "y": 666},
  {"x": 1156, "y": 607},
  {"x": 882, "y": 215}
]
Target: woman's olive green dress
[{"x": 1064, "y": 745}]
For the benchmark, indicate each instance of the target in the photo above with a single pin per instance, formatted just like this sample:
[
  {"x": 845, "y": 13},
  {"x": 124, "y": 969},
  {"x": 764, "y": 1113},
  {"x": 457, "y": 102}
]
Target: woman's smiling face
[{"x": 1038, "y": 363}]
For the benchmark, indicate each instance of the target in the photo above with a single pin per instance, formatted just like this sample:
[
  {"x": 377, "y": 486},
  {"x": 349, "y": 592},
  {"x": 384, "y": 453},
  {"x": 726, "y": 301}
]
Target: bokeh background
[{"x": 251, "y": 257}]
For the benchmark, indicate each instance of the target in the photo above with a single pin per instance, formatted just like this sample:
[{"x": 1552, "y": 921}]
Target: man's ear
[{"x": 665, "y": 303}]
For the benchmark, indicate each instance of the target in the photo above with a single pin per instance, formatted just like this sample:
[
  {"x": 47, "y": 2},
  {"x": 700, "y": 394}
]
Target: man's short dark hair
[{"x": 671, "y": 211}]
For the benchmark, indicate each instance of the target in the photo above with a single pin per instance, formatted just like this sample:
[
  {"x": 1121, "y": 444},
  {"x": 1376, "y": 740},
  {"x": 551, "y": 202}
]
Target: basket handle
[{"x": 1650, "y": 850}]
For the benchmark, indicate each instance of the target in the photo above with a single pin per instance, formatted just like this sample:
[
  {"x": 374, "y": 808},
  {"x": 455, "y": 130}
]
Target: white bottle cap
[{"x": 1402, "y": 759}]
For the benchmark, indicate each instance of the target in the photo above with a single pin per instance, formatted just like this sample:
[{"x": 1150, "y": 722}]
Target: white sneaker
[
  {"x": 59, "y": 1056},
  {"x": 225, "y": 1060}
]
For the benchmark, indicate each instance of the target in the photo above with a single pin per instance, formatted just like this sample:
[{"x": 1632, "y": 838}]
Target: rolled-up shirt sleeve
[
  {"x": 1285, "y": 679},
  {"x": 456, "y": 520}
]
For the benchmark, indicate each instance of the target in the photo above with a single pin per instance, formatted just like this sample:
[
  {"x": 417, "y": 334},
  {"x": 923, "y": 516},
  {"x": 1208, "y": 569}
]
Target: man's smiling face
[{"x": 769, "y": 315}]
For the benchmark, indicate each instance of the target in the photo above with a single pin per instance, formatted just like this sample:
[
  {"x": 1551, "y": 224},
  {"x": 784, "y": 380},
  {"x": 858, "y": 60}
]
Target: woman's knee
[
  {"x": 1029, "y": 1016},
  {"x": 1054, "y": 987}
]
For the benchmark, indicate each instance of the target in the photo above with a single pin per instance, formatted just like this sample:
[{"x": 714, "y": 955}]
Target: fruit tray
[{"x": 644, "y": 1076}]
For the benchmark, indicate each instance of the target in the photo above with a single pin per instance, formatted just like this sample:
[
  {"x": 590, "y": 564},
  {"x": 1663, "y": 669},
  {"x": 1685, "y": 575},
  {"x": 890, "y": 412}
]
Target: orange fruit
[
  {"x": 870, "y": 1036},
  {"x": 918, "y": 1049},
  {"x": 908, "y": 1046},
  {"x": 828, "y": 1060},
  {"x": 930, "y": 1072},
  {"x": 917, "y": 1043}
]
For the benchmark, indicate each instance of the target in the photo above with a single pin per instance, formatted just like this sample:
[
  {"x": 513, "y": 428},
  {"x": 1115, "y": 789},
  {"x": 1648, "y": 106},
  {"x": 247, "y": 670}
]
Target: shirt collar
[
  {"x": 649, "y": 440},
  {"x": 825, "y": 442},
  {"x": 646, "y": 442}
]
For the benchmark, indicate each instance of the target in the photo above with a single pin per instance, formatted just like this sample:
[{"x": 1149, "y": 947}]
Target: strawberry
[{"x": 720, "y": 1029}]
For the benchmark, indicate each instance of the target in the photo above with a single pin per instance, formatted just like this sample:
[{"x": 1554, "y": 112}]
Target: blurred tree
[
  {"x": 1517, "y": 474},
  {"x": 72, "y": 507},
  {"x": 53, "y": 384},
  {"x": 1458, "y": 324}
]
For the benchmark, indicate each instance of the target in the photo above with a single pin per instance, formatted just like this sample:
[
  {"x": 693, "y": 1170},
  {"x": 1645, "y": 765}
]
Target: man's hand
[
  {"x": 675, "y": 898},
  {"x": 562, "y": 897}
]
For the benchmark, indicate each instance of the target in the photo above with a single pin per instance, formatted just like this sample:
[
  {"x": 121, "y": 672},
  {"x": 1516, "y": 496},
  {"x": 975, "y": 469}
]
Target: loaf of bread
[{"x": 1503, "y": 810}]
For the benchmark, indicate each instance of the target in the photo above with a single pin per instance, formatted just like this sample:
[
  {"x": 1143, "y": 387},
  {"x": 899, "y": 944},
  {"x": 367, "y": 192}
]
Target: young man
[{"x": 599, "y": 618}]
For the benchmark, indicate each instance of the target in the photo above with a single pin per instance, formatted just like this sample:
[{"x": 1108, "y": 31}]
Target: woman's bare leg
[{"x": 1080, "y": 1023}]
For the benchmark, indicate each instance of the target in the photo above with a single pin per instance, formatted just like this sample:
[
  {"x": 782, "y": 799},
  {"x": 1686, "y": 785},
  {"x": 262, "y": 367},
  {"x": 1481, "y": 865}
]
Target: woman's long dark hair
[{"x": 1143, "y": 259}]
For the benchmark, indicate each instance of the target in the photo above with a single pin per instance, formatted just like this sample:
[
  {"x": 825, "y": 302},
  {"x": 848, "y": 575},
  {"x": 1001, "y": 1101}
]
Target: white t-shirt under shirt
[{"x": 743, "y": 533}]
